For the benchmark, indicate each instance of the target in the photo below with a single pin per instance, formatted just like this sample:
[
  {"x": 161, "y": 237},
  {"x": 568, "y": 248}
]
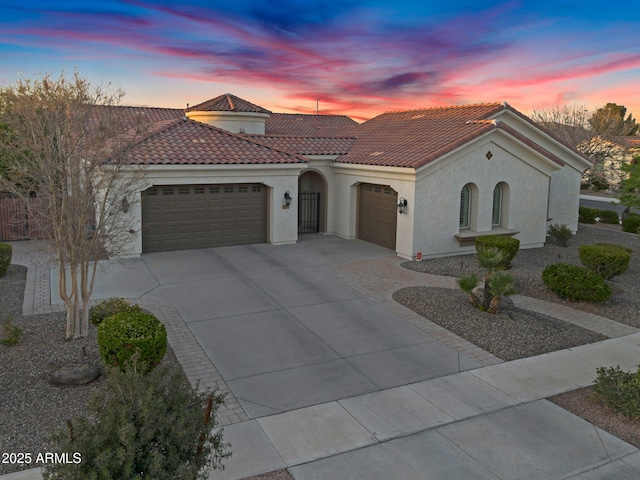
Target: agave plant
[{"x": 500, "y": 285}]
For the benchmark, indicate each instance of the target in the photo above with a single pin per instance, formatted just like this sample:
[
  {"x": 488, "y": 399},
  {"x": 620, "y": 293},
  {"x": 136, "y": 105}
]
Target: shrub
[
  {"x": 111, "y": 306},
  {"x": 606, "y": 260},
  {"x": 614, "y": 245},
  {"x": 619, "y": 390},
  {"x": 6, "y": 253},
  {"x": 631, "y": 223},
  {"x": 609, "y": 216},
  {"x": 575, "y": 283},
  {"x": 508, "y": 245},
  {"x": 153, "y": 426},
  {"x": 123, "y": 335},
  {"x": 561, "y": 234},
  {"x": 587, "y": 215},
  {"x": 11, "y": 333}
]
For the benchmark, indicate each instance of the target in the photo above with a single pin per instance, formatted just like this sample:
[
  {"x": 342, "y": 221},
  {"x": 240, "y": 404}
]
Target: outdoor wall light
[
  {"x": 402, "y": 205},
  {"x": 287, "y": 198},
  {"x": 125, "y": 205}
]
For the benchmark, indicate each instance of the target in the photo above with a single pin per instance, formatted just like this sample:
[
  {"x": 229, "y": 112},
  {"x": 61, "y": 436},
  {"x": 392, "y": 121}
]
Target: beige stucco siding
[{"x": 526, "y": 180}]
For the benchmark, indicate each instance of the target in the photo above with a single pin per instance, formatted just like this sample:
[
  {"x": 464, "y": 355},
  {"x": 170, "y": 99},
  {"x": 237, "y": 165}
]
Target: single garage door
[
  {"x": 180, "y": 217},
  {"x": 377, "y": 214}
]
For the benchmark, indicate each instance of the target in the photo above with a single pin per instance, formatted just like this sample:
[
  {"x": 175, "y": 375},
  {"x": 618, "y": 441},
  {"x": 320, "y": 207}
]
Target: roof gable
[
  {"x": 187, "y": 142},
  {"x": 227, "y": 103}
]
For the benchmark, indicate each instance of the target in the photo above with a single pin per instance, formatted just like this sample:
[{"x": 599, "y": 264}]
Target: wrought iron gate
[{"x": 308, "y": 212}]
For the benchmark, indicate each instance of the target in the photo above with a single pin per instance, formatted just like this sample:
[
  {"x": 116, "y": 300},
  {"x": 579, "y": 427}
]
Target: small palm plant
[
  {"x": 496, "y": 284},
  {"x": 467, "y": 284},
  {"x": 500, "y": 285}
]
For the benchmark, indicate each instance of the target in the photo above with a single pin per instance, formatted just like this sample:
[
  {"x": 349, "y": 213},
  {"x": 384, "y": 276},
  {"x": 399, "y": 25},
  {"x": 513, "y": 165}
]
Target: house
[
  {"x": 611, "y": 152},
  {"x": 423, "y": 182}
]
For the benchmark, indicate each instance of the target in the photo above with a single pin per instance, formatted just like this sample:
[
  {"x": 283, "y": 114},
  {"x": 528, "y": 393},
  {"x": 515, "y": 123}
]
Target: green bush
[
  {"x": 6, "y": 253},
  {"x": 140, "y": 427},
  {"x": 631, "y": 223},
  {"x": 619, "y": 390},
  {"x": 111, "y": 306},
  {"x": 123, "y": 335},
  {"x": 561, "y": 234},
  {"x": 575, "y": 283},
  {"x": 605, "y": 260},
  {"x": 609, "y": 216},
  {"x": 587, "y": 215},
  {"x": 615, "y": 245},
  {"x": 508, "y": 245}
]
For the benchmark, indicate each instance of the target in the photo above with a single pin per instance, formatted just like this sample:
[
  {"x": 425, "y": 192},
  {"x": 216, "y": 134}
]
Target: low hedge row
[{"x": 631, "y": 224}]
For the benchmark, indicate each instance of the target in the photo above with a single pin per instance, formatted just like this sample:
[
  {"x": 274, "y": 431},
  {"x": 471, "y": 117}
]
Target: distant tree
[
  {"x": 76, "y": 164},
  {"x": 590, "y": 132},
  {"x": 609, "y": 120},
  {"x": 629, "y": 193}
]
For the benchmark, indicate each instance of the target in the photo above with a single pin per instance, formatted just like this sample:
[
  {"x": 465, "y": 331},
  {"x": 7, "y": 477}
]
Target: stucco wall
[
  {"x": 438, "y": 196},
  {"x": 235, "y": 122},
  {"x": 282, "y": 223},
  {"x": 564, "y": 197}
]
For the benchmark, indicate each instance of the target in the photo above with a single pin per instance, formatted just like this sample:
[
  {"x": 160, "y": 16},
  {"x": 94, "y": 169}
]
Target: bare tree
[
  {"x": 68, "y": 147},
  {"x": 591, "y": 132}
]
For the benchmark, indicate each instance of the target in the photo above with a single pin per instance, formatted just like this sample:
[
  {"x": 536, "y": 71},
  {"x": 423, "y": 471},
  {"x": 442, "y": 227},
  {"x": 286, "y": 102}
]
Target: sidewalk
[{"x": 491, "y": 422}]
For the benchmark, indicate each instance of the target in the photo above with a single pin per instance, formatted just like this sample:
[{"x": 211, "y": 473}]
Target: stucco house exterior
[{"x": 423, "y": 182}]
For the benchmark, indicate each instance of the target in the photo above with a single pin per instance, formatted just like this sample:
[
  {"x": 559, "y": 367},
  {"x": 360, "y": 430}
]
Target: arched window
[
  {"x": 465, "y": 203},
  {"x": 497, "y": 205}
]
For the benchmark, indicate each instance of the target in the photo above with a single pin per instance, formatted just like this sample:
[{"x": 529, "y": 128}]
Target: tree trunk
[{"x": 487, "y": 297}]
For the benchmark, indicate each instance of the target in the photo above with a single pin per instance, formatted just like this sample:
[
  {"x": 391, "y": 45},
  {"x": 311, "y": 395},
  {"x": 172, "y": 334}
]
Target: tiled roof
[
  {"x": 416, "y": 137},
  {"x": 227, "y": 103},
  {"x": 626, "y": 141},
  {"x": 187, "y": 142},
  {"x": 303, "y": 124},
  {"x": 301, "y": 145}
]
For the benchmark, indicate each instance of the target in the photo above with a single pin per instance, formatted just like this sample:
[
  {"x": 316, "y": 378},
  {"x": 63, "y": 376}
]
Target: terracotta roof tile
[
  {"x": 227, "y": 103},
  {"x": 627, "y": 141},
  {"x": 302, "y": 145},
  {"x": 187, "y": 142},
  {"x": 303, "y": 124},
  {"x": 414, "y": 138}
]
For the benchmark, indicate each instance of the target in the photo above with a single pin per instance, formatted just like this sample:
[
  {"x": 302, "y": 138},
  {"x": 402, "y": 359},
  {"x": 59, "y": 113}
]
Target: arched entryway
[{"x": 312, "y": 193}]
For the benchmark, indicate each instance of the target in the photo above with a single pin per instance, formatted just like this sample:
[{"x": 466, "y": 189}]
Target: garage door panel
[
  {"x": 200, "y": 216},
  {"x": 377, "y": 215}
]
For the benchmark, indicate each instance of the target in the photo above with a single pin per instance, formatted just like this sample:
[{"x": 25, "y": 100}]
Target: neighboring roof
[
  {"x": 227, "y": 103},
  {"x": 301, "y": 145},
  {"x": 187, "y": 142},
  {"x": 414, "y": 138},
  {"x": 305, "y": 124},
  {"x": 627, "y": 141}
]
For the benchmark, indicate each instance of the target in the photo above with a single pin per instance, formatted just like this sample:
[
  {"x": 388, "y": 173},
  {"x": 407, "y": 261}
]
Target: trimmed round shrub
[
  {"x": 111, "y": 306},
  {"x": 508, "y": 245},
  {"x": 615, "y": 245},
  {"x": 609, "y": 216},
  {"x": 631, "y": 224},
  {"x": 6, "y": 253},
  {"x": 605, "y": 260},
  {"x": 575, "y": 283},
  {"x": 587, "y": 215},
  {"x": 123, "y": 336}
]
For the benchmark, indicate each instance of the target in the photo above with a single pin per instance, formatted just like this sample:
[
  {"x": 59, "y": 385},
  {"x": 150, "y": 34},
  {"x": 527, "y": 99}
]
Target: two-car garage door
[{"x": 179, "y": 217}]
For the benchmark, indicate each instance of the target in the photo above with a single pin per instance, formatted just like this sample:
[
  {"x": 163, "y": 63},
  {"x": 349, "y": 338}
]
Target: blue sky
[{"x": 359, "y": 58}]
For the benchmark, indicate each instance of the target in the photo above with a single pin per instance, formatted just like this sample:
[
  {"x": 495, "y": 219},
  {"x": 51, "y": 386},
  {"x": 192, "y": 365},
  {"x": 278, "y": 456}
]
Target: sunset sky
[{"x": 358, "y": 57}]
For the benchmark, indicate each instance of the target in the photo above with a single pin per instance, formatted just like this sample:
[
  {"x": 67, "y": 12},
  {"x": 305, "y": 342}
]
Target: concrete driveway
[{"x": 277, "y": 324}]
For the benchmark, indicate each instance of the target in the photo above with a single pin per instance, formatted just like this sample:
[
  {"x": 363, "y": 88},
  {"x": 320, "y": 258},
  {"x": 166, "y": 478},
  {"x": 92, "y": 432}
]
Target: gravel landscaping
[{"x": 31, "y": 405}]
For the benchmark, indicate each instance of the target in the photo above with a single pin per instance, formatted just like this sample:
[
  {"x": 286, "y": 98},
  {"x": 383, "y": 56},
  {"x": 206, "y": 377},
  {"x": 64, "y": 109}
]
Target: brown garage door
[
  {"x": 179, "y": 217},
  {"x": 377, "y": 214}
]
